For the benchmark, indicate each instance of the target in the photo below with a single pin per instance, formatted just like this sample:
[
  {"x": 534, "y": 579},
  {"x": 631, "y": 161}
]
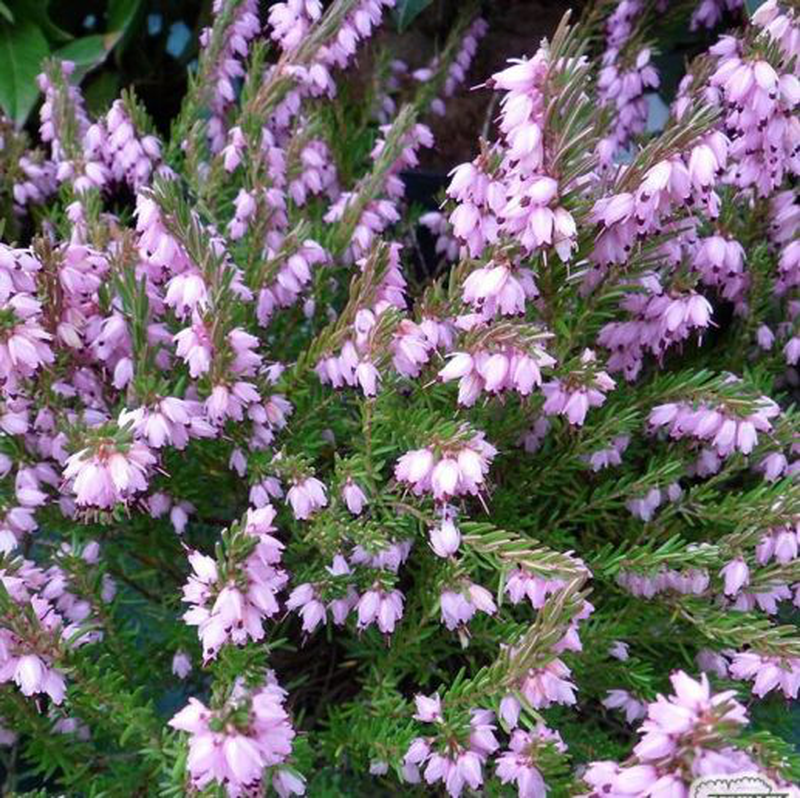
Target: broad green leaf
[
  {"x": 36, "y": 12},
  {"x": 121, "y": 13},
  {"x": 406, "y": 11},
  {"x": 88, "y": 52},
  {"x": 53, "y": 32},
  {"x": 23, "y": 47},
  {"x": 5, "y": 12},
  {"x": 122, "y": 17},
  {"x": 752, "y": 6}
]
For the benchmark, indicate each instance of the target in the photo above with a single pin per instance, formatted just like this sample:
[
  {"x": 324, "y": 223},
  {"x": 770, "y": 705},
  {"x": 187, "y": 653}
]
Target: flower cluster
[
  {"x": 724, "y": 431},
  {"x": 659, "y": 320},
  {"x": 689, "y": 582},
  {"x": 759, "y": 100},
  {"x": 453, "y": 469},
  {"x": 231, "y": 599},
  {"x": 493, "y": 370},
  {"x": 43, "y": 618},
  {"x": 457, "y": 764},
  {"x": 518, "y": 765},
  {"x": 625, "y": 90},
  {"x": 517, "y": 197},
  {"x": 378, "y": 605},
  {"x": 226, "y": 49},
  {"x": 238, "y": 745},
  {"x": 767, "y": 673},
  {"x": 579, "y": 390},
  {"x": 684, "y": 736}
]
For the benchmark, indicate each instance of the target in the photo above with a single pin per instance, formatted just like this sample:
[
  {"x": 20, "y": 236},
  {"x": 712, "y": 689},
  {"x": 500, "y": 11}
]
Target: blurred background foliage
[
  {"x": 148, "y": 44},
  {"x": 151, "y": 45}
]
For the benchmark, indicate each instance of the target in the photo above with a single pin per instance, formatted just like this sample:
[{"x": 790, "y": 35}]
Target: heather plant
[{"x": 289, "y": 506}]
